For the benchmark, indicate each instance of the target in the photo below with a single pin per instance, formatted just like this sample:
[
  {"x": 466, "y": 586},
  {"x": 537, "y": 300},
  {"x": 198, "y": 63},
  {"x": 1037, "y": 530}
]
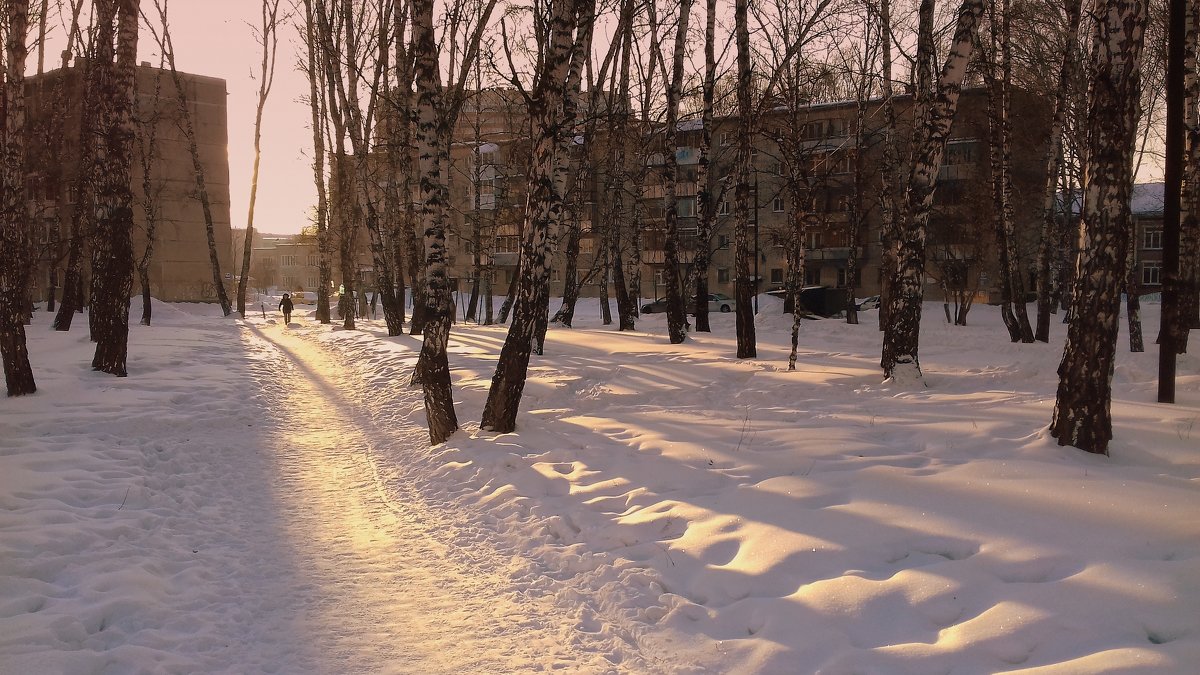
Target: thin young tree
[
  {"x": 112, "y": 257},
  {"x": 1082, "y": 411},
  {"x": 999, "y": 73},
  {"x": 1048, "y": 253},
  {"x": 148, "y": 156},
  {"x": 167, "y": 47},
  {"x": 313, "y": 67},
  {"x": 14, "y": 216},
  {"x": 267, "y": 35}
]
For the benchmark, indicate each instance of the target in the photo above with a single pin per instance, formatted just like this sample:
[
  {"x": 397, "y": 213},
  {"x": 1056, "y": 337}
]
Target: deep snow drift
[{"x": 661, "y": 508}]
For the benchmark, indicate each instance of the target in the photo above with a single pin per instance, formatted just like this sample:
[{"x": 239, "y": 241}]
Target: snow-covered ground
[{"x": 257, "y": 498}]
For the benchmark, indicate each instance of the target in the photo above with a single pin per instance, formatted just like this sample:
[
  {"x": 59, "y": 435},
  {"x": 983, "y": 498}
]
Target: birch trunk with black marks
[
  {"x": 889, "y": 170},
  {"x": 706, "y": 206},
  {"x": 551, "y": 114},
  {"x": 1133, "y": 300},
  {"x": 14, "y": 215},
  {"x": 82, "y": 216},
  {"x": 676, "y": 314},
  {"x": 1048, "y": 245},
  {"x": 112, "y": 257},
  {"x": 1082, "y": 416},
  {"x": 431, "y": 136},
  {"x": 1016, "y": 315},
  {"x": 933, "y": 115},
  {"x": 1189, "y": 222},
  {"x": 743, "y": 287}
]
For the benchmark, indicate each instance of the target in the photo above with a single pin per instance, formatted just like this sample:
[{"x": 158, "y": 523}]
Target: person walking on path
[{"x": 286, "y": 306}]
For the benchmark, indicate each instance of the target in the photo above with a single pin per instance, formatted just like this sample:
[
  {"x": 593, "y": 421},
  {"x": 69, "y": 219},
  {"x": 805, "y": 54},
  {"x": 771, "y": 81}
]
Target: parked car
[
  {"x": 821, "y": 301},
  {"x": 717, "y": 302},
  {"x": 870, "y": 302}
]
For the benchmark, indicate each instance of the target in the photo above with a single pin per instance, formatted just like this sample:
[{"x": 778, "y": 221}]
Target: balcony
[{"x": 829, "y": 253}]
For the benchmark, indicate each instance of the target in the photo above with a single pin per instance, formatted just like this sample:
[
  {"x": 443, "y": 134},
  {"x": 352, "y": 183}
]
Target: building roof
[{"x": 1147, "y": 199}]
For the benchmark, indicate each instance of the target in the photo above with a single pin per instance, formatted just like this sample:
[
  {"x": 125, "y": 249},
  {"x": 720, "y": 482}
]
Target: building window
[
  {"x": 724, "y": 138},
  {"x": 812, "y": 276},
  {"x": 814, "y": 240},
  {"x": 777, "y": 205},
  {"x": 313, "y": 260},
  {"x": 722, "y": 275},
  {"x": 288, "y": 260},
  {"x": 776, "y": 275},
  {"x": 722, "y": 241},
  {"x": 686, "y": 207},
  {"x": 1152, "y": 273},
  {"x": 1152, "y": 238},
  {"x": 841, "y": 277},
  {"x": 507, "y": 243},
  {"x": 723, "y": 209},
  {"x": 585, "y": 246}
]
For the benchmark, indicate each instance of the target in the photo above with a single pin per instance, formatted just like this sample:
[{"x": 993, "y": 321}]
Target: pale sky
[{"x": 212, "y": 37}]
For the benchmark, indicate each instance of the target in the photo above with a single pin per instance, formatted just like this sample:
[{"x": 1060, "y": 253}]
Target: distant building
[
  {"x": 489, "y": 177},
  {"x": 180, "y": 268},
  {"x": 1146, "y": 203}
]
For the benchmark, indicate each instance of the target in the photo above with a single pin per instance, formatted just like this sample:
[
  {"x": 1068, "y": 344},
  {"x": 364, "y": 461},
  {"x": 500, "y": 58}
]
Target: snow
[{"x": 257, "y": 498}]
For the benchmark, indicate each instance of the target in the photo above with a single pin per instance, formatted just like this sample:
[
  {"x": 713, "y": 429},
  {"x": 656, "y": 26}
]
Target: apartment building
[
  {"x": 180, "y": 267},
  {"x": 487, "y": 189}
]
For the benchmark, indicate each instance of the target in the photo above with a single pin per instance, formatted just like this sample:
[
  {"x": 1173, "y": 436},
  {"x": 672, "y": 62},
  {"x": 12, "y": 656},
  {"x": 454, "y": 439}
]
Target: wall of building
[{"x": 180, "y": 268}]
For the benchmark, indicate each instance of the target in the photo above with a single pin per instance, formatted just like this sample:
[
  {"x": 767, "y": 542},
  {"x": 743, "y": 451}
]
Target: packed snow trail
[{"x": 374, "y": 589}]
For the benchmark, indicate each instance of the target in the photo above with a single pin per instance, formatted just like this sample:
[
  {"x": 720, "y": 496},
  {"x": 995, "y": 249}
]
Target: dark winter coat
[{"x": 286, "y": 305}]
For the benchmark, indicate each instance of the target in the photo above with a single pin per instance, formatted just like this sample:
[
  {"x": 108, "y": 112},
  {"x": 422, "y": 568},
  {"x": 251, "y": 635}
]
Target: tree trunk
[
  {"x": 706, "y": 207},
  {"x": 1082, "y": 415},
  {"x": 1189, "y": 226},
  {"x": 676, "y": 315},
  {"x": 112, "y": 259},
  {"x": 1048, "y": 245},
  {"x": 314, "y": 68},
  {"x": 270, "y": 39},
  {"x": 431, "y": 138},
  {"x": 933, "y": 114},
  {"x": 552, "y": 112},
  {"x": 14, "y": 228},
  {"x": 198, "y": 174},
  {"x": 743, "y": 288}
]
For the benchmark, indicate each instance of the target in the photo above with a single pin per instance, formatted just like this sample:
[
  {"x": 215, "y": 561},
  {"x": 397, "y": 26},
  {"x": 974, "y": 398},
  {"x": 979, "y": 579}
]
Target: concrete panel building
[{"x": 180, "y": 268}]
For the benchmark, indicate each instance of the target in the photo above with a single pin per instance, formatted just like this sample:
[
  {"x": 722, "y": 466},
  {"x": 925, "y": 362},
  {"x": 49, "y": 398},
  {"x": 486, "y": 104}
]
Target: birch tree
[
  {"x": 1012, "y": 284},
  {"x": 14, "y": 215},
  {"x": 112, "y": 258},
  {"x": 670, "y": 170},
  {"x": 1082, "y": 416},
  {"x": 552, "y": 103},
  {"x": 1048, "y": 254},
  {"x": 437, "y": 111},
  {"x": 934, "y": 107},
  {"x": 268, "y": 37}
]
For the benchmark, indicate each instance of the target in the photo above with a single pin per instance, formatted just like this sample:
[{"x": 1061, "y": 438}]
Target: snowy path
[{"x": 374, "y": 588}]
